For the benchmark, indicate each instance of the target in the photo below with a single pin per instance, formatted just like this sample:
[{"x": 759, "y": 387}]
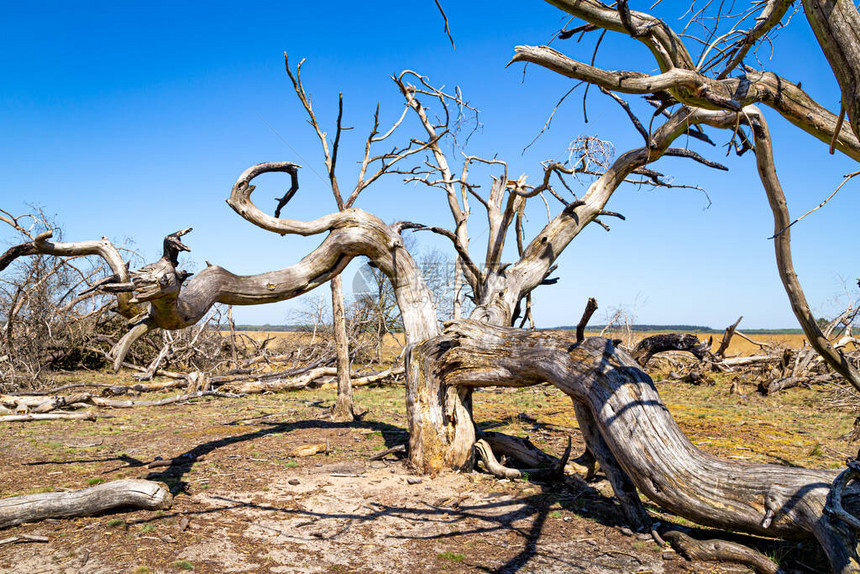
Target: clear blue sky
[{"x": 132, "y": 120}]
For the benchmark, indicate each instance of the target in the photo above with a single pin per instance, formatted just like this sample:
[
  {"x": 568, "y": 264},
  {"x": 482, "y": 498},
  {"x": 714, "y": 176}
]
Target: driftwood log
[{"x": 117, "y": 494}]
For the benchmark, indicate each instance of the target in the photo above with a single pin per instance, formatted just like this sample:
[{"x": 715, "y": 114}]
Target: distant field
[{"x": 739, "y": 346}]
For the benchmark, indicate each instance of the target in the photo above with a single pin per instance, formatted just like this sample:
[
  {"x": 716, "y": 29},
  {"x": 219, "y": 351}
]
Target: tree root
[
  {"x": 485, "y": 455},
  {"x": 720, "y": 551},
  {"x": 528, "y": 455}
]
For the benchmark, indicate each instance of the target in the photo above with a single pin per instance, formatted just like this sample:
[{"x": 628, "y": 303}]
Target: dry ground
[{"x": 250, "y": 507}]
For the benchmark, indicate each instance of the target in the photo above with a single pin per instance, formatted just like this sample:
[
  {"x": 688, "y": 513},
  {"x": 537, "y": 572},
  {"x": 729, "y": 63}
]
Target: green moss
[{"x": 450, "y": 556}]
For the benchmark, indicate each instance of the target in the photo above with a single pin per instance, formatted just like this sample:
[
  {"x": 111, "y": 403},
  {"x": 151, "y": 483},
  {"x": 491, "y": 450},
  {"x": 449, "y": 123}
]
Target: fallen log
[
  {"x": 485, "y": 454},
  {"x": 249, "y": 376},
  {"x": 282, "y": 384},
  {"x": 118, "y": 390},
  {"x": 369, "y": 379},
  {"x": 753, "y": 360},
  {"x": 643, "y": 438},
  {"x": 86, "y": 502},
  {"x": 306, "y": 380},
  {"x": 719, "y": 551},
  {"x": 650, "y": 346},
  {"x": 768, "y": 388},
  {"x": 47, "y": 417},
  {"x": 115, "y": 404}
]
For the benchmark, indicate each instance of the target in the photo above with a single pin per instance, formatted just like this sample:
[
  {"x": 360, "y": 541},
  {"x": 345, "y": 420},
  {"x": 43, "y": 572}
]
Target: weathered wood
[
  {"x": 310, "y": 449},
  {"x": 643, "y": 438},
  {"x": 48, "y": 417},
  {"x": 727, "y": 338},
  {"x": 774, "y": 386},
  {"x": 342, "y": 411},
  {"x": 836, "y": 24},
  {"x": 720, "y": 551},
  {"x": 88, "y": 501},
  {"x": 118, "y": 404},
  {"x": 553, "y": 472},
  {"x": 590, "y": 308},
  {"x": 650, "y": 346}
]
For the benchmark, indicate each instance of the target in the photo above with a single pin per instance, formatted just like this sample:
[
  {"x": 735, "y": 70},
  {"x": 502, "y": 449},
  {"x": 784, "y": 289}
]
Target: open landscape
[
  {"x": 243, "y": 501},
  {"x": 469, "y": 308}
]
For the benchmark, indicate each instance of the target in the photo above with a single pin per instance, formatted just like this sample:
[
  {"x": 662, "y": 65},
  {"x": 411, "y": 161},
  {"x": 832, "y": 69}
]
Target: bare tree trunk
[
  {"x": 441, "y": 430},
  {"x": 836, "y": 24},
  {"x": 458, "y": 286},
  {"x": 343, "y": 407}
]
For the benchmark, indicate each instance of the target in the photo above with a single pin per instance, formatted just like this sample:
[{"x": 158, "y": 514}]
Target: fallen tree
[{"x": 100, "y": 498}]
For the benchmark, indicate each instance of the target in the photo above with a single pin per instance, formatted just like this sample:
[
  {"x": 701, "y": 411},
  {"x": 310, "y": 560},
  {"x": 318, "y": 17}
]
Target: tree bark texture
[
  {"x": 343, "y": 406},
  {"x": 33, "y": 507},
  {"x": 642, "y": 437},
  {"x": 650, "y": 346},
  {"x": 836, "y": 24}
]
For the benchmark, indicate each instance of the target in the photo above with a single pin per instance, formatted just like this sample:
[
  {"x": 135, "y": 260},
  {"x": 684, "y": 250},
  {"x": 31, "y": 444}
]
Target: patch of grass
[
  {"x": 147, "y": 528},
  {"x": 114, "y": 522},
  {"x": 95, "y": 481},
  {"x": 555, "y": 514},
  {"x": 291, "y": 464},
  {"x": 816, "y": 451},
  {"x": 453, "y": 557},
  {"x": 142, "y": 570},
  {"x": 184, "y": 565}
]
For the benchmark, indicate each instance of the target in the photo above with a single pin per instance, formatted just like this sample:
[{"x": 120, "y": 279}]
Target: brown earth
[{"x": 250, "y": 507}]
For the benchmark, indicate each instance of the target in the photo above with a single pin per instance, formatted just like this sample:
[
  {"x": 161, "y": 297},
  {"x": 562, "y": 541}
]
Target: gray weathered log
[
  {"x": 47, "y": 417},
  {"x": 720, "y": 551},
  {"x": 762, "y": 499},
  {"x": 86, "y": 502},
  {"x": 650, "y": 346}
]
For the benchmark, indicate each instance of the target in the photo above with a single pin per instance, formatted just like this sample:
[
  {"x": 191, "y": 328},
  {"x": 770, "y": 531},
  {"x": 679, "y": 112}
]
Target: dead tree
[{"x": 625, "y": 424}]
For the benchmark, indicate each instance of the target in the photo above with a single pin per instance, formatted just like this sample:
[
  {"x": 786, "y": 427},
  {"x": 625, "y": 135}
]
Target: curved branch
[
  {"x": 666, "y": 46},
  {"x": 782, "y": 246},
  {"x": 102, "y": 247},
  {"x": 763, "y": 499},
  {"x": 352, "y": 232},
  {"x": 120, "y": 350},
  {"x": 697, "y": 90}
]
